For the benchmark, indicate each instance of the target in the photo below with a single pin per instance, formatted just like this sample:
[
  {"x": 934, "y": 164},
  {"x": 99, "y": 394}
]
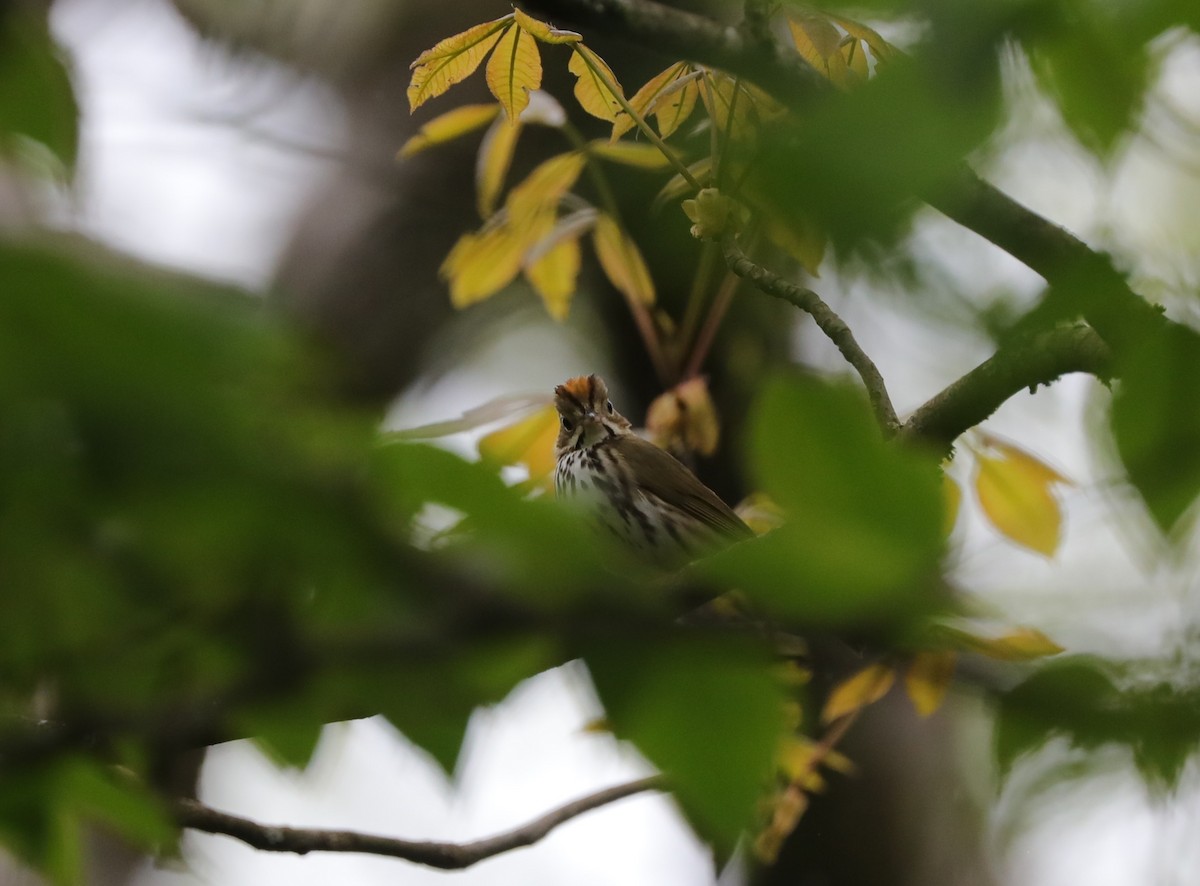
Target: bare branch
[
  {"x": 446, "y": 856},
  {"x": 829, "y": 322},
  {"x": 1025, "y": 363}
]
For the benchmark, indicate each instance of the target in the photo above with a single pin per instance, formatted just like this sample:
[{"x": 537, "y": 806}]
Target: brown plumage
[{"x": 636, "y": 490}]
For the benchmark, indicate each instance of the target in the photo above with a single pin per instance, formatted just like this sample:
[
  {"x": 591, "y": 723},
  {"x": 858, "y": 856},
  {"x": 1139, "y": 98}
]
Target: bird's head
[{"x": 586, "y": 415}]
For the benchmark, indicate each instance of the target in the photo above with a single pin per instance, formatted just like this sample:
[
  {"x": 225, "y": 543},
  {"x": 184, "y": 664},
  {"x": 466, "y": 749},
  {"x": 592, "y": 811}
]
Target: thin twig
[
  {"x": 712, "y": 323},
  {"x": 446, "y": 856},
  {"x": 829, "y": 322},
  {"x": 702, "y": 280}
]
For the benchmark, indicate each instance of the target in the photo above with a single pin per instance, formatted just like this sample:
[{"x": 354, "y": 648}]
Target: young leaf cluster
[{"x": 537, "y": 230}]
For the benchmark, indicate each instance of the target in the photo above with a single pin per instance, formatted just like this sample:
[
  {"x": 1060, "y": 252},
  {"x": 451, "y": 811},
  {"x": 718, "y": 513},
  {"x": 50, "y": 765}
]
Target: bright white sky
[{"x": 169, "y": 174}]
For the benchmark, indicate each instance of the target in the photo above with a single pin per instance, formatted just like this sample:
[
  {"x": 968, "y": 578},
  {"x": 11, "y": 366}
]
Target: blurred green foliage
[
  {"x": 862, "y": 537},
  {"x": 1156, "y": 420},
  {"x": 36, "y": 98},
  {"x": 1092, "y": 702},
  {"x": 197, "y": 542},
  {"x": 708, "y": 710},
  {"x": 860, "y": 165}
]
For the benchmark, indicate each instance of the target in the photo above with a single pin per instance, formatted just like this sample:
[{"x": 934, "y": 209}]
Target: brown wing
[{"x": 662, "y": 475}]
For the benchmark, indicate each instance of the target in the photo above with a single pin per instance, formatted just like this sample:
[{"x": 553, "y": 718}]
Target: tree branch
[
  {"x": 1083, "y": 281},
  {"x": 826, "y": 319},
  {"x": 1024, "y": 363},
  {"x": 446, "y": 856}
]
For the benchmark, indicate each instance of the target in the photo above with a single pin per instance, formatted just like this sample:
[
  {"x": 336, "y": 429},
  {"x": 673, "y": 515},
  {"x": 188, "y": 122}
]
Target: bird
[{"x": 638, "y": 492}]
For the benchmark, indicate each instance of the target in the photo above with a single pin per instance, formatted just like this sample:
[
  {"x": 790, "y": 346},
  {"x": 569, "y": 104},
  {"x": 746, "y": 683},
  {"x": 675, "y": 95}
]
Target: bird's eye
[
  {"x": 567, "y": 423},
  {"x": 609, "y": 405}
]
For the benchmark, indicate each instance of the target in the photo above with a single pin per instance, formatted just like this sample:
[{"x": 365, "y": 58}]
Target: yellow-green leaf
[
  {"x": 760, "y": 513},
  {"x": 880, "y": 47},
  {"x": 449, "y": 126},
  {"x": 482, "y": 264},
  {"x": 928, "y": 678},
  {"x": 472, "y": 273},
  {"x": 637, "y": 154},
  {"x": 495, "y": 158},
  {"x": 514, "y": 69},
  {"x": 528, "y": 442},
  {"x": 865, "y": 687},
  {"x": 545, "y": 186},
  {"x": 855, "y": 56},
  {"x": 1026, "y": 461},
  {"x": 799, "y": 757},
  {"x": 675, "y": 106},
  {"x": 641, "y": 100},
  {"x": 786, "y": 812},
  {"x": 621, "y": 261},
  {"x": 657, "y": 96},
  {"x": 952, "y": 499},
  {"x": 452, "y": 60},
  {"x": 817, "y": 41},
  {"x": 597, "y": 86},
  {"x": 677, "y": 186},
  {"x": 1014, "y": 490},
  {"x": 553, "y": 274},
  {"x": 543, "y": 31},
  {"x": 1022, "y": 644},
  {"x": 725, "y": 97},
  {"x": 574, "y": 225},
  {"x": 504, "y": 407}
]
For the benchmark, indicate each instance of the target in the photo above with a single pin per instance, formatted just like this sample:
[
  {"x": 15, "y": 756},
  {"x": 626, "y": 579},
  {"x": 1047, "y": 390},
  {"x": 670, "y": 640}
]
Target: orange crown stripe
[{"x": 582, "y": 387}]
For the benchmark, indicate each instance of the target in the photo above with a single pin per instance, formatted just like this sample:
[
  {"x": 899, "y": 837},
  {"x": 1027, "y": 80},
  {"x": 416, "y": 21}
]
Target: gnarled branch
[
  {"x": 826, "y": 319},
  {"x": 446, "y": 856}
]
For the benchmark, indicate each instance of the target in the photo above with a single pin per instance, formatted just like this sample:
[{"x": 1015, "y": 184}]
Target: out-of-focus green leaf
[
  {"x": 186, "y": 517},
  {"x": 862, "y": 530},
  {"x": 36, "y": 97},
  {"x": 1088, "y": 62},
  {"x": 540, "y": 550},
  {"x": 431, "y": 698},
  {"x": 707, "y": 711},
  {"x": 44, "y": 808},
  {"x": 856, "y": 165},
  {"x": 97, "y": 793},
  {"x": 26, "y": 824},
  {"x": 287, "y": 735},
  {"x": 1079, "y": 698},
  {"x": 1156, "y": 419},
  {"x": 865, "y": 687},
  {"x": 155, "y": 434}
]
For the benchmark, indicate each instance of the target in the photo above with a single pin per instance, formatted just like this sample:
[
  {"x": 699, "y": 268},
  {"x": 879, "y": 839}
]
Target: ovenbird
[{"x": 637, "y": 491}]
